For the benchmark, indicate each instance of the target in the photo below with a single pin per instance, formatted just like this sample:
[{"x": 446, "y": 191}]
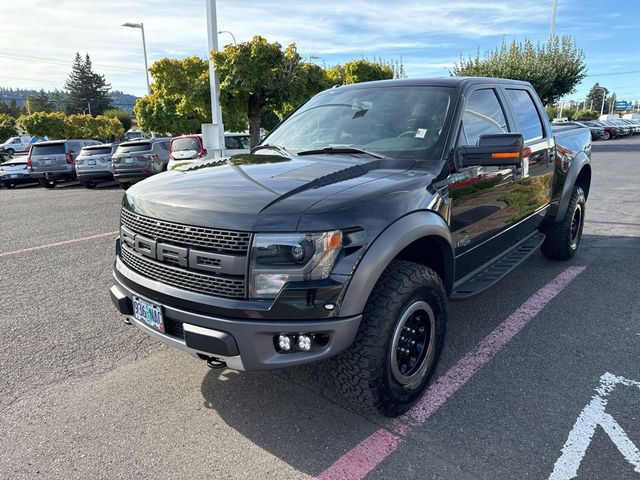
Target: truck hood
[{"x": 255, "y": 192}]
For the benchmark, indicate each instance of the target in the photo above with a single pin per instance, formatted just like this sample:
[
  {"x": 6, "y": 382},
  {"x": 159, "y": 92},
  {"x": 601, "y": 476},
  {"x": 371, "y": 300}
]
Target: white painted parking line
[
  {"x": 582, "y": 433},
  {"x": 57, "y": 244}
]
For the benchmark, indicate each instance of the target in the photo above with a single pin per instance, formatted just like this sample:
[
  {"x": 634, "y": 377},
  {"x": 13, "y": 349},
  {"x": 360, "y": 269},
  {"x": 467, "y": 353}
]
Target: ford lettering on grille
[{"x": 181, "y": 256}]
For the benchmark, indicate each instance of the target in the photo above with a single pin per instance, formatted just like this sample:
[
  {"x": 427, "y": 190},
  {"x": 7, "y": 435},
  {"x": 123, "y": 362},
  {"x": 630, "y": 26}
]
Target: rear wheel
[
  {"x": 10, "y": 151},
  {"x": 606, "y": 135},
  {"x": 10, "y": 185},
  {"x": 398, "y": 344},
  {"x": 89, "y": 185},
  {"x": 124, "y": 185},
  {"x": 563, "y": 238}
]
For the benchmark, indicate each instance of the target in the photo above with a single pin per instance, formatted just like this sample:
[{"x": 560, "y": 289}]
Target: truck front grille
[
  {"x": 221, "y": 240},
  {"x": 211, "y": 273},
  {"x": 215, "y": 285}
]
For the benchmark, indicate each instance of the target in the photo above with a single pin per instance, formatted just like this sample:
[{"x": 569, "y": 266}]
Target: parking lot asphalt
[{"x": 82, "y": 395}]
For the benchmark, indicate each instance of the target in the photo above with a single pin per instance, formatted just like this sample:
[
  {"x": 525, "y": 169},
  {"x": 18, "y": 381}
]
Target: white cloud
[{"x": 333, "y": 30}]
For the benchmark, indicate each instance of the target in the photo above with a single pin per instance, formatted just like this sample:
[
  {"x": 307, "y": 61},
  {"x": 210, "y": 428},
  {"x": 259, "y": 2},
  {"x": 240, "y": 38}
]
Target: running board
[{"x": 490, "y": 274}]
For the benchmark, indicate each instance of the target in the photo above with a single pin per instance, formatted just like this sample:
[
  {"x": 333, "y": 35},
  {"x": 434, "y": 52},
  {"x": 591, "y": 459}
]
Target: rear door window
[
  {"x": 50, "y": 149},
  {"x": 526, "y": 114}
]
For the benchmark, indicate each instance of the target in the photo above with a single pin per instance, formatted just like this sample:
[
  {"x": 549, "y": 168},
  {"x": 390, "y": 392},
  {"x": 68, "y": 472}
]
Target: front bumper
[{"x": 242, "y": 343}]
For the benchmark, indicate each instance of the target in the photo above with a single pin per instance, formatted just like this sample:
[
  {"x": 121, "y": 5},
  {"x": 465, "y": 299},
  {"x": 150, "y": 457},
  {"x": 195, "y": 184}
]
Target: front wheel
[
  {"x": 10, "y": 151},
  {"x": 606, "y": 135},
  {"x": 389, "y": 364},
  {"x": 563, "y": 238}
]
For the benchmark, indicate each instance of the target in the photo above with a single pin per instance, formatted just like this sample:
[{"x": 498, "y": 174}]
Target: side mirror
[{"x": 493, "y": 150}]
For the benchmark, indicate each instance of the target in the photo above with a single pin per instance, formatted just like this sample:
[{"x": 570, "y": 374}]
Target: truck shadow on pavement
[{"x": 299, "y": 416}]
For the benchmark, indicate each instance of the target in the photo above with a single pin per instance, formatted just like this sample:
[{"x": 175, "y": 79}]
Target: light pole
[
  {"x": 604, "y": 94},
  {"x": 554, "y": 9},
  {"x": 232, "y": 35},
  {"x": 213, "y": 133},
  {"x": 144, "y": 48}
]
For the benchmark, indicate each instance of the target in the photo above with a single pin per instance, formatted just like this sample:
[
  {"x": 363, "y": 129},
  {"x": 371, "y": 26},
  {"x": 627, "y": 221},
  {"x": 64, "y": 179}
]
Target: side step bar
[{"x": 491, "y": 273}]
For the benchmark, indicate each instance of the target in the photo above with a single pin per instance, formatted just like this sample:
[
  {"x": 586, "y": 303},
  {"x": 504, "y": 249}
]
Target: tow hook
[{"x": 215, "y": 363}]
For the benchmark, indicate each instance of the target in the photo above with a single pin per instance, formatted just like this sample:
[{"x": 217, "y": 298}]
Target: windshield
[{"x": 395, "y": 121}]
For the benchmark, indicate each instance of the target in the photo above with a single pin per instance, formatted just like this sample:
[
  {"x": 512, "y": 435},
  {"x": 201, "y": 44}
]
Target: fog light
[
  {"x": 304, "y": 343},
  {"x": 284, "y": 343}
]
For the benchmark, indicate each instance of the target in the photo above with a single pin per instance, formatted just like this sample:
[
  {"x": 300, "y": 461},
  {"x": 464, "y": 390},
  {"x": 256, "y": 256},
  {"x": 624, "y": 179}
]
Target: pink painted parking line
[
  {"x": 57, "y": 244},
  {"x": 368, "y": 454}
]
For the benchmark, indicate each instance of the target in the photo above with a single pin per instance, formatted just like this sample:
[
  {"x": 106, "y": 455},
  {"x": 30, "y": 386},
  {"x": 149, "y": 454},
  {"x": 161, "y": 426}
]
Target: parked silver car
[
  {"x": 51, "y": 161},
  {"x": 93, "y": 164},
  {"x": 15, "y": 172},
  {"x": 136, "y": 160}
]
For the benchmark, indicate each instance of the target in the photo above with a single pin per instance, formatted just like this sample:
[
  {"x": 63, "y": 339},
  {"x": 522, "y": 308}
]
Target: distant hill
[{"x": 119, "y": 99}]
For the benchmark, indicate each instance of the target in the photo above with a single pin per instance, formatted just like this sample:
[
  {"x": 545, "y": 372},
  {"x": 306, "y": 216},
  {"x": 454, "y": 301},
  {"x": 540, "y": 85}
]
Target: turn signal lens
[{"x": 506, "y": 155}]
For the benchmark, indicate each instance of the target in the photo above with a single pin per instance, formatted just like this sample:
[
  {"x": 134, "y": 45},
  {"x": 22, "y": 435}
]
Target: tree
[
  {"x": 180, "y": 101},
  {"x": 595, "y": 96},
  {"x": 10, "y": 108},
  {"x": 257, "y": 74},
  {"x": 7, "y": 126},
  {"x": 100, "y": 127},
  {"x": 40, "y": 103},
  {"x": 357, "y": 71},
  {"x": 586, "y": 115},
  {"x": 88, "y": 91},
  {"x": 121, "y": 115},
  {"x": 43, "y": 124},
  {"x": 554, "y": 69}
]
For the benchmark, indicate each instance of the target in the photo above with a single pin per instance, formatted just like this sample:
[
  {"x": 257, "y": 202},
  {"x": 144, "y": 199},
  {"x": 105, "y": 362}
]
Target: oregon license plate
[{"x": 149, "y": 313}]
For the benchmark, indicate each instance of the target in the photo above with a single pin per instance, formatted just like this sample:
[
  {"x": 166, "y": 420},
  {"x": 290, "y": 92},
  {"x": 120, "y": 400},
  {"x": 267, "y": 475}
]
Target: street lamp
[
  {"x": 232, "y": 35},
  {"x": 144, "y": 48},
  {"x": 604, "y": 94},
  {"x": 554, "y": 10}
]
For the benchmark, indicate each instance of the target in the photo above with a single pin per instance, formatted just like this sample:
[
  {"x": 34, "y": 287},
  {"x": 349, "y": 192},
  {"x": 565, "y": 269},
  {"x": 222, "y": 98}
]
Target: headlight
[{"x": 290, "y": 257}]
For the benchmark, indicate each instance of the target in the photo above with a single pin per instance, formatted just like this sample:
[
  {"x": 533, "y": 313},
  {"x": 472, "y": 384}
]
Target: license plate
[
  {"x": 48, "y": 162},
  {"x": 128, "y": 160},
  {"x": 149, "y": 313},
  {"x": 91, "y": 162},
  {"x": 13, "y": 176}
]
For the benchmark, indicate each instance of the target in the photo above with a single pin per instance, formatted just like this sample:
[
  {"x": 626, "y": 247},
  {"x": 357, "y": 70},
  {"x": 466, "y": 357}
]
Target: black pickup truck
[{"x": 344, "y": 234}]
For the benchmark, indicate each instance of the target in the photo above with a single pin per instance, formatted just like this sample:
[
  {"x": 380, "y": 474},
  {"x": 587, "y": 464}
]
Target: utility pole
[
  {"x": 89, "y": 105},
  {"x": 213, "y": 133},
  {"x": 554, "y": 10}
]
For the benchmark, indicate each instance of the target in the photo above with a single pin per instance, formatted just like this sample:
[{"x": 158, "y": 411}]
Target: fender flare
[
  {"x": 387, "y": 246},
  {"x": 580, "y": 162}
]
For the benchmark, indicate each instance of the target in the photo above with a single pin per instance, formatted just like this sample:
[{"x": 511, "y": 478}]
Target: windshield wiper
[
  {"x": 270, "y": 146},
  {"x": 339, "y": 150}
]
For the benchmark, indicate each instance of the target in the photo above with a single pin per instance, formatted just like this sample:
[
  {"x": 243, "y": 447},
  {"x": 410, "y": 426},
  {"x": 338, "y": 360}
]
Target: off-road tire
[
  {"x": 561, "y": 242},
  {"x": 363, "y": 373}
]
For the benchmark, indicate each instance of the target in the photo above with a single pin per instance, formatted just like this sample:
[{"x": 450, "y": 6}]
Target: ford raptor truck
[{"x": 344, "y": 234}]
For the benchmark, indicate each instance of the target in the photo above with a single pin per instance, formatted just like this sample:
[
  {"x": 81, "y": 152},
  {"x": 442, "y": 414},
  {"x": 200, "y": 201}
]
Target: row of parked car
[
  {"x": 91, "y": 161},
  {"x": 608, "y": 129}
]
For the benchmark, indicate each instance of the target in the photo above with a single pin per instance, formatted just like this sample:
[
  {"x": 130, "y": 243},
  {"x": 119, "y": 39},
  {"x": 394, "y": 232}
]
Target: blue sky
[{"x": 429, "y": 36}]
